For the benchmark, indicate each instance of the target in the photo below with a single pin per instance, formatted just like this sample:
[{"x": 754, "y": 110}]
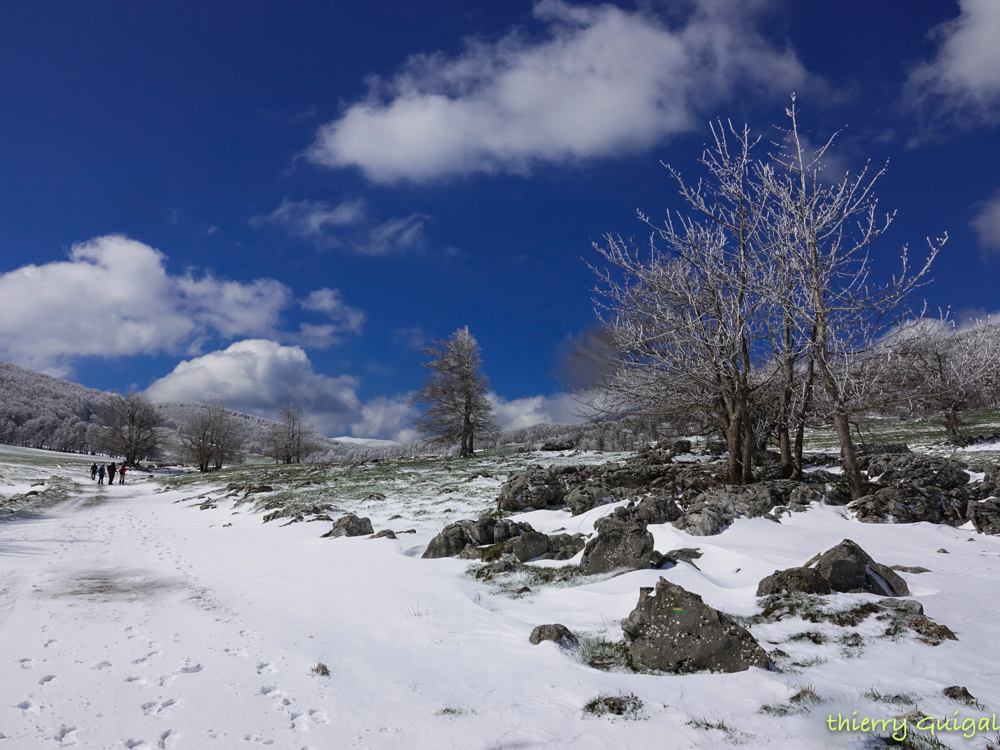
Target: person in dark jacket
[
  {"x": 100, "y": 474},
  {"x": 112, "y": 471},
  {"x": 93, "y": 471},
  {"x": 121, "y": 474}
]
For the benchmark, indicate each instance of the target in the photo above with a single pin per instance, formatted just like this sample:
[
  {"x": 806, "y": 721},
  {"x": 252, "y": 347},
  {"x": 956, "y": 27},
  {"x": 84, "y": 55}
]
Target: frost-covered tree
[
  {"x": 458, "y": 409},
  {"x": 293, "y": 438},
  {"x": 826, "y": 230},
  {"x": 128, "y": 427},
  {"x": 686, "y": 315},
  {"x": 211, "y": 437}
]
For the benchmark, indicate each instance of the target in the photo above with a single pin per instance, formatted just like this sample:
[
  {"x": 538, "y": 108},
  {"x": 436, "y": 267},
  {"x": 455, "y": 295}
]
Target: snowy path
[{"x": 129, "y": 618}]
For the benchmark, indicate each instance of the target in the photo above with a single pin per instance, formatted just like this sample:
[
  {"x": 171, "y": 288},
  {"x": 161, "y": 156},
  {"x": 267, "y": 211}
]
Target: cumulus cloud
[
  {"x": 603, "y": 81},
  {"x": 114, "y": 297},
  {"x": 387, "y": 418},
  {"x": 963, "y": 80},
  {"x": 259, "y": 376},
  {"x": 346, "y": 225},
  {"x": 986, "y": 224},
  {"x": 525, "y": 412}
]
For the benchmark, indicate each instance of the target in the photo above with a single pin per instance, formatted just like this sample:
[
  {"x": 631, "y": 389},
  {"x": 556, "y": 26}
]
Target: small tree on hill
[
  {"x": 293, "y": 438},
  {"x": 128, "y": 427},
  {"x": 455, "y": 392},
  {"x": 211, "y": 437}
]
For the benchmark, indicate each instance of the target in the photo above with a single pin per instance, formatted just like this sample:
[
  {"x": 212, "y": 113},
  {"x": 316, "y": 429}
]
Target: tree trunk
[
  {"x": 952, "y": 424},
  {"x": 801, "y": 412},
  {"x": 732, "y": 428},
  {"x": 857, "y": 482}
]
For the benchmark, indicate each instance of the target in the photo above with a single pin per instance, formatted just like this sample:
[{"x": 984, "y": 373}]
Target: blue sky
[{"x": 273, "y": 202}]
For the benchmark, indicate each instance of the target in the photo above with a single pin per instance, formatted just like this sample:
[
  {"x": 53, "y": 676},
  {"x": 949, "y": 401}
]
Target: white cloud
[
  {"x": 259, "y": 376},
  {"x": 345, "y": 225},
  {"x": 525, "y": 412},
  {"x": 986, "y": 224},
  {"x": 413, "y": 337},
  {"x": 395, "y": 235},
  {"x": 963, "y": 80},
  {"x": 114, "y": 297},
  {"x": 312, "y": 220},
  {"x": 603, "y": 82},
  {"x": 387, "y": 418}
]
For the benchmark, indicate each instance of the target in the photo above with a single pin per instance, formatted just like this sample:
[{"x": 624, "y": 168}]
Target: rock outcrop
[
  {"x": 846, "y": 568},
  {"x": 350, "y": 525},
  {"x": 675, "y": 631}
]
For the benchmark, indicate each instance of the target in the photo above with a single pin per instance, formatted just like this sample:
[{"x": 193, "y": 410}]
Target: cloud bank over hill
[
  {"x": 602, "y": 82},
  {"x": 114, "y": 297},
  {"x": 258, "y": 376}
]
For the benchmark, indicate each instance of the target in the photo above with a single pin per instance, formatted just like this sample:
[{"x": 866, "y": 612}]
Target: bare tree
[
  {"x": 292, "y": 439},
  {"x": 828, "y": 229},
  {"x": 458, "y": 410},
  {"x": 687, "y": 321},
  {"x": 936, "y": 366},
  {"x": 128, "y": 427},
  {"x": 212, "y": 436}
]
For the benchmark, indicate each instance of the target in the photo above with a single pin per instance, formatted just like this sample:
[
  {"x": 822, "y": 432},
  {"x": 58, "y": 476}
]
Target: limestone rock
[{"x": 675, "y": 631}]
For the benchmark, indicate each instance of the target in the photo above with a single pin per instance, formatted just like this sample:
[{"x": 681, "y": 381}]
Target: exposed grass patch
[
  {"x": 626, "y": 706},
  {"x": 600, "y": 652},
  {"x": 455, "y": 711},
  {"x": 893, "y": 699},
  {"x": 734, "y": 735},
  {"x": 320, "y": 670}
]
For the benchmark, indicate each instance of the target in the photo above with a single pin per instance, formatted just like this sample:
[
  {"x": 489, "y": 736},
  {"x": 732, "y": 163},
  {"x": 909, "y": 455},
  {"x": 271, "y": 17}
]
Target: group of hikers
[{"x": 99, "y": 472}]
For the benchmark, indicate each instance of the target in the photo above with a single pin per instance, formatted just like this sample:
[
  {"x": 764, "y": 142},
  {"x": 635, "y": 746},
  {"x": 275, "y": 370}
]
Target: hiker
[
  {"x": 93, "y": 472},
  {"x": 112, "y": 471},
  {"x": 100, "y": 474},
  {"x": 121, "y": 474}
]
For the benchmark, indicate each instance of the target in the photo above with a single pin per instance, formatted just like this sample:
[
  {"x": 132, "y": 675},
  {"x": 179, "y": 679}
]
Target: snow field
[{"x": 141, "y": 621}]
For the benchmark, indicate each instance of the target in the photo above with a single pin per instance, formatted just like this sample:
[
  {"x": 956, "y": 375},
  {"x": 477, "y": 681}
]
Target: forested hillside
[{"x": 40, "y": 411}]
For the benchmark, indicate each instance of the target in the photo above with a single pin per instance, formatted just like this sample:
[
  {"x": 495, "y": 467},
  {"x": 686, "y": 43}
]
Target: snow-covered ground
[{"x": 131, "y": 618}]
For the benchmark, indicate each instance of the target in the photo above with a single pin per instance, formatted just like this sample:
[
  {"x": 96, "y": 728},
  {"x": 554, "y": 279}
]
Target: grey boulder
[
  {"x": 675, "y": 631},
  {"x": 849, "y": 569},
  {"x": 350, "y": 525},
  {"x": 554, "y": 632},
  {"x": 618, "y": 544},
  {"x": 805, "y": 580}
]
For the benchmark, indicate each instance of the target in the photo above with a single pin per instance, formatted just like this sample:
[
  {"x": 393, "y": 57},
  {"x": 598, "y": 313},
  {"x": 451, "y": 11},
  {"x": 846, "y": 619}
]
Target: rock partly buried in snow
[
  {"x": 849, "y": 569},
  {"x": 675, "y": 557},
  {"x": 535, "y": 487},
  {"x": 619, "y": 544},
  {"x": 554, "y": 632},
  {"x": 910, "y": 504},
  {"x": 675, "y": 631},
  {"x": 384, "y": 534},
  {"x": 350, "y": 525},
  {"x": 558, "y": 445},
  {"x": 985, "y": 515},
  {"x": 712, "y": 511},
  {"x": 805, "y": 580},
  {"x": 529, "y": 545},
  {"x": 456, "y": 537},
  {"x": 959, "y": 693}
]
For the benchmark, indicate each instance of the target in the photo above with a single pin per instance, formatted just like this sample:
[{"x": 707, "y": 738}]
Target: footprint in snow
[
  {"x": 190, "y": 668},
  {"x": 46, "y": 679},
  {"x": 318, "y": 716},
  {"x": 137, "y": 745},
  {"x": 266, "y": 668},
  {"x": 105, "y": 665},
  {"x": 168, "y": 739},
  {"x": 26, "y": 663},
  {"x": 272, "y": 691}
]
